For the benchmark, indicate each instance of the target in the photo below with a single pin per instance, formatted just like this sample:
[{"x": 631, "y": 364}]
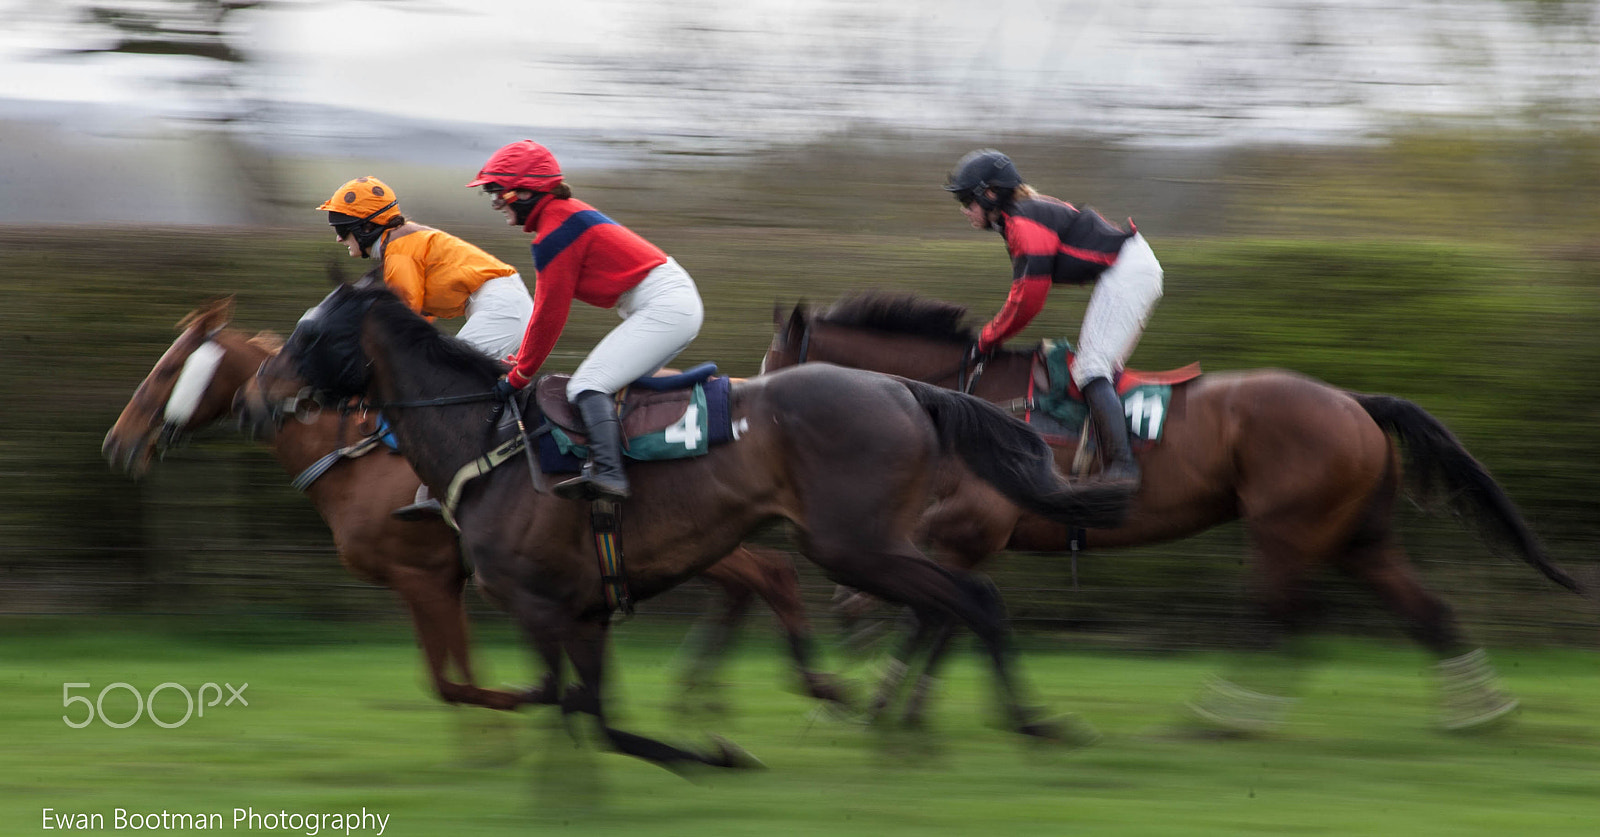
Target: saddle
[
  {"x": 645, "y": 406},
  {"x": 1055, "y": 398},
  {"x": 671, "y": 416}
]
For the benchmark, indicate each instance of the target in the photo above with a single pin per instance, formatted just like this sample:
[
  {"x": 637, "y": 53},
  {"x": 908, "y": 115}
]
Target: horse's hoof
[
  {"x": 501, "y": 701},
  {"x": 824, "y": 688},
  {"x": 733, "y": 756},
  {"x": 537, "y": 696},
  {"x": 1227, "y": 707},
  {"x": 1481, "y": 719},
  {"x": 1069, "y": 730}
]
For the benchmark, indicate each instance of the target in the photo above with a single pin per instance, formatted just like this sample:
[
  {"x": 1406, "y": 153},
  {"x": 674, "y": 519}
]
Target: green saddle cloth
[
  {"x": 690, "y": 436},
  {"x": 1144, "y": 404}
]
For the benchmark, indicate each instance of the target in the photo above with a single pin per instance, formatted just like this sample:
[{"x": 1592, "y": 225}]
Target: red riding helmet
[{"x": 523, "y": 164}]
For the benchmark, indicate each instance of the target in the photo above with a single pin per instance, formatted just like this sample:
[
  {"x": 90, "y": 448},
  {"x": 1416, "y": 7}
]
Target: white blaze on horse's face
[{"x": 192, "y": 383}]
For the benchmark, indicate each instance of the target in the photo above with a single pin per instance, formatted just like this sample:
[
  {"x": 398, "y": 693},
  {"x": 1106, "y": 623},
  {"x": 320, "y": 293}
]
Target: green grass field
[{"x": 338, "y": 720}]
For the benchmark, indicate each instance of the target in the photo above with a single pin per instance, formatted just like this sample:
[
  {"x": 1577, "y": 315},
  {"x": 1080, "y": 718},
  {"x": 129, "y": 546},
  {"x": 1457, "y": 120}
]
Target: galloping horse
[
  {"x": 1309, "y": 469},
  {"x": 846, "y": 456},
  {"x": 195, "y": 384}
]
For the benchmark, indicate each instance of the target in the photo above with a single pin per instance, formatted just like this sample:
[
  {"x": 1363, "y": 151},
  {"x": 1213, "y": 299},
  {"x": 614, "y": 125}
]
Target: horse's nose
[
  {"x": 250, "y": 415},
  {"x": 121, "y": 453}
]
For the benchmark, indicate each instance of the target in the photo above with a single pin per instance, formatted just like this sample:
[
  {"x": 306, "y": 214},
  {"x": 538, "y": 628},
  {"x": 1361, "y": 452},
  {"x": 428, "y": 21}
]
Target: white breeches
[
  {"x": 660, "y": 317},
  {"x": 497, "y": 316},
  {"x": 1121, "y": 303}
]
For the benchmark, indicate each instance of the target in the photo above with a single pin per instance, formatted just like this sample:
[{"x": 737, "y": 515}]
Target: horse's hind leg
[
  {"x": 708, "y": 644},
  {"x": 1255, "y": 694},
  {"x": 922, "y": 691},
  {"x": 1470, "y": 696},
  {"x": 755, "y": 571},
  {"x": 901, "y": 661},
  {"x": 902, "y": 574}
]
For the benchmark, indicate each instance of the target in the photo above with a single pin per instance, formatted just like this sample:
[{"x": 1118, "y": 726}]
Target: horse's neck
[
  {"x": 438, "y": 440},
  {"x": 909, "y": 357},
  {"x": 298, "y": 445},
  {"x": 1004, "y": 376}
]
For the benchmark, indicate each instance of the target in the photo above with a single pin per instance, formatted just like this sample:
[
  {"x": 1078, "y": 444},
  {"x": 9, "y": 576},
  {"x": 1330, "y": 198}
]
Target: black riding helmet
[{"x": 979, "y": 171}]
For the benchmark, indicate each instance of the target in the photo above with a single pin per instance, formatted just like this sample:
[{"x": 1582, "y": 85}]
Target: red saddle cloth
[{"x": 1043, "y": 382}]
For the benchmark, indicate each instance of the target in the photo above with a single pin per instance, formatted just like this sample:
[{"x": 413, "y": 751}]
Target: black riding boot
[
  {"x": 602, "y": 475},
  {"x": 1111, "y": 431}
]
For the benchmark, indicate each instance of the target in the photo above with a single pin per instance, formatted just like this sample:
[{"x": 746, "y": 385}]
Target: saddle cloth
[
  {"x": 1146, "y": 396},
  {"x": 668, "y": 417}
]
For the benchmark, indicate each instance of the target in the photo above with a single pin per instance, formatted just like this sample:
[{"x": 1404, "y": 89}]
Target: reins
[{"x": 438, "y": 402}]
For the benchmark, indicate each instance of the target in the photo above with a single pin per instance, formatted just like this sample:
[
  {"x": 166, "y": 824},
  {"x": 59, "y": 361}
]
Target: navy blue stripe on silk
[{"x": 547, "y": 248}]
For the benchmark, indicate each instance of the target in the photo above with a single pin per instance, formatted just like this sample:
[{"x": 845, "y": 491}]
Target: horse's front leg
[
  {"x": 586, "y": 648},
  {"x": 440, "y": 621}
]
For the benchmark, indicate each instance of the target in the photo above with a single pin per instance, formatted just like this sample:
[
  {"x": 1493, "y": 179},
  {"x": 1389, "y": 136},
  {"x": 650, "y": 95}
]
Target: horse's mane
[
  {"x": 419, "y": 335},
  {"x": 270, "y": 342},
  {"x": 901, "y": 313}
]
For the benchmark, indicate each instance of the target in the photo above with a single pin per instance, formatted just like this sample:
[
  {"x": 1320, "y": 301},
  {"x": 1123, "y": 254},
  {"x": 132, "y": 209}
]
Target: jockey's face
[
  {"x": 976, "y": 215},
  {"x": 501, "y": 201},
  {"x": 349, "y": 242}
]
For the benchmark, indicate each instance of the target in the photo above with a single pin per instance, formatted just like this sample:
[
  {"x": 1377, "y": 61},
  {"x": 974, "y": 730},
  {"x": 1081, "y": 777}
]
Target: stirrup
[
  {"x": 428, "y": 509},
  {"x": 586, "y": 486}
]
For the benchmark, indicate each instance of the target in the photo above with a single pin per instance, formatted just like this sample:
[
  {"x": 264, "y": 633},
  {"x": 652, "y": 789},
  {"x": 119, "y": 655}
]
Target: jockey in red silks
[
  {"x": 1055, "y": 243},
  {"x": 584, "y": 255}
]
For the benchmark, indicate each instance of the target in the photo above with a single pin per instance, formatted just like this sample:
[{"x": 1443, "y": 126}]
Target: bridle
[{"x": 199, "y": 368}]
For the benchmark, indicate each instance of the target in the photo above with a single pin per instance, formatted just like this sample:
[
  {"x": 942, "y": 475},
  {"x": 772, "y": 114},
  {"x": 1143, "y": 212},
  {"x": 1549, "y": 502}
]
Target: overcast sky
[{"x": 1263, "y": 68}]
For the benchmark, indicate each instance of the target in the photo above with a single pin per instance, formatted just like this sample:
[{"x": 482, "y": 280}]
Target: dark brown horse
[
  {"x": 1310, "y": 469},
  {"x": 843, "y": 455},
  {"x": 194, "y": 385}
]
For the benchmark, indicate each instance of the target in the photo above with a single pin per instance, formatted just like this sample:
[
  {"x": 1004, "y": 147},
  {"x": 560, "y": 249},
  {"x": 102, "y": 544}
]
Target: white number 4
[{"x": 687, "y": 431}]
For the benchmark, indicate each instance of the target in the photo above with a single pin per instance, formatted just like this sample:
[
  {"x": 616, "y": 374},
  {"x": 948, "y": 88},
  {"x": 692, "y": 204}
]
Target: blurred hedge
[{"x": 1495, "y": 337}]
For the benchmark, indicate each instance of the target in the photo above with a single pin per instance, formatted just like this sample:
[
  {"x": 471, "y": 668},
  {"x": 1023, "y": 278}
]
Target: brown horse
[
  {"x": 194, "y": 385},
  {"x": 845, "y": 456},
  {"x": 1309, "y": 469}
]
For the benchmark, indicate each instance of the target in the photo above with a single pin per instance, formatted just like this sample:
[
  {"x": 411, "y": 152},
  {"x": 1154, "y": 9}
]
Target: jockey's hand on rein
[{"x": 503, "y": 390}]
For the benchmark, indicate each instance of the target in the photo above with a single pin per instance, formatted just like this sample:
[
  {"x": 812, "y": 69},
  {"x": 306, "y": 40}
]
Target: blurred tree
[{"x": 218, "y": 79}]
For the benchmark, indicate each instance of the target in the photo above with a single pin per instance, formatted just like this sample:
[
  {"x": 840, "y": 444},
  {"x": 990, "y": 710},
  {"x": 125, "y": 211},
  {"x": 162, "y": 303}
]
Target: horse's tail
[
  {"x": 1007, "y": 454},
  {"x": 1435, "y": 453}
]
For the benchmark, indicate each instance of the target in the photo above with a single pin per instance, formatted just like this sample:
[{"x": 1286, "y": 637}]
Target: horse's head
[
  {"x": 789, "y": 341},
  {"x": 191, "y": 386},
  {"x": 322, "y": 362}
]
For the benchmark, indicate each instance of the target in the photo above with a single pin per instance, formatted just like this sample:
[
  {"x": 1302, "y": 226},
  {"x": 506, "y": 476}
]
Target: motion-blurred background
[{"x": 1395, "y": 197}]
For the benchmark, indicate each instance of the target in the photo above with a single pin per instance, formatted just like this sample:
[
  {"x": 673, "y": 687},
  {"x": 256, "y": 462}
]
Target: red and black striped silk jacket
[
  {"x": 579, "y": 254},
  {"x": 1051, "y": 243}
]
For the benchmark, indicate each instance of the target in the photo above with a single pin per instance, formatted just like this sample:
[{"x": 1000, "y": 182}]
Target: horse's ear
[
  {"x": 211, "y": 316},
  {"x": 797, "y": 317},
  {"x": 373, "y": 276},
  {"x": 269, "y": 341},
  {"x": 335, "y": 272}
]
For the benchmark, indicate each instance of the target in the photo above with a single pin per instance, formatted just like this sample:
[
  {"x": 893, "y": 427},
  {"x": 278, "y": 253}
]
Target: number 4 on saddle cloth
[
  {"x": 665, "y": 417},
  {"x": 1055, "y": 406}
]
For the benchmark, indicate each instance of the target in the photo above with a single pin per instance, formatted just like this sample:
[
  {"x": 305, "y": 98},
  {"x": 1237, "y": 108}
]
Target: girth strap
[
  {"x": 605, "y": 518},
  {"x": 321, "y": 466},
  {"x": 474, "y": 469}
]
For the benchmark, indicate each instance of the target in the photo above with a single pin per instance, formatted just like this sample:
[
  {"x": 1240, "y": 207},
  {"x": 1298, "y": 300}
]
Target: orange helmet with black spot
[{"x": 363, "y": 199}]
